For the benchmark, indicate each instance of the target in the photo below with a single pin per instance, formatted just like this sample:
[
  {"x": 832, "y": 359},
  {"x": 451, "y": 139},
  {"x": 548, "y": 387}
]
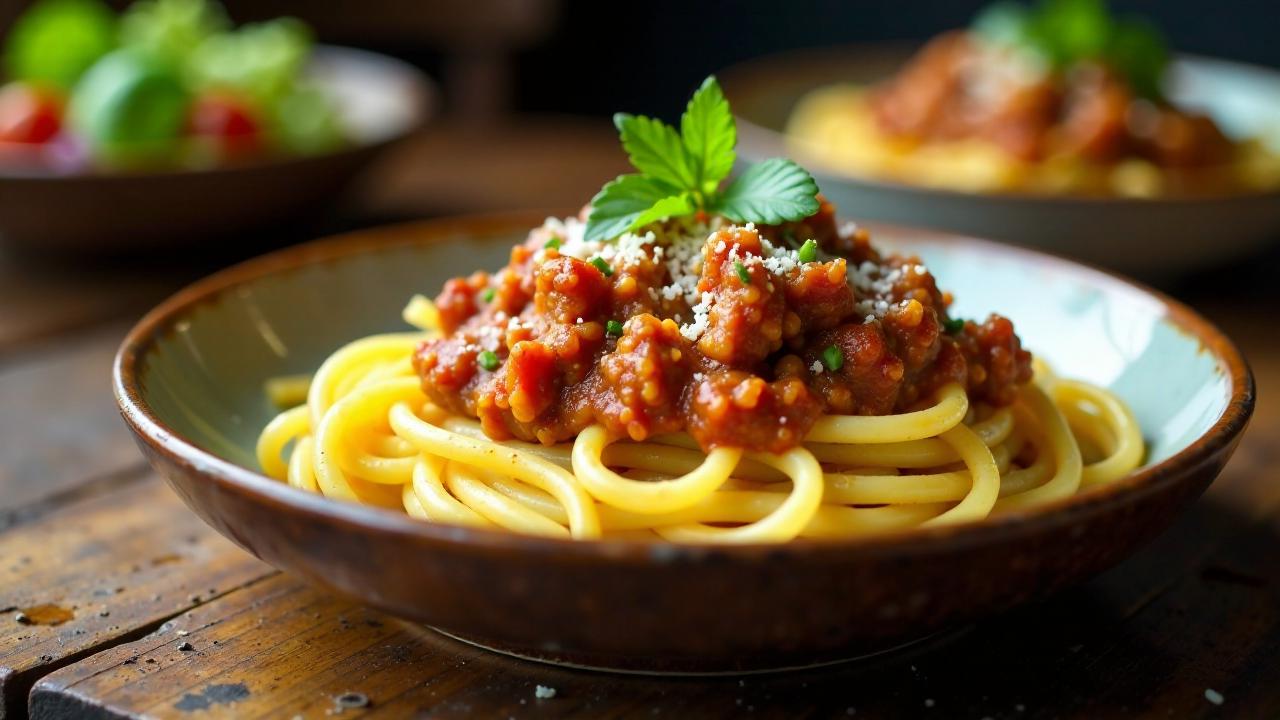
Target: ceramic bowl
[
  {"x": 1152, "y": 238},
  {"x": 381, "y": 100},
  {"x": 189, "y": 381}
]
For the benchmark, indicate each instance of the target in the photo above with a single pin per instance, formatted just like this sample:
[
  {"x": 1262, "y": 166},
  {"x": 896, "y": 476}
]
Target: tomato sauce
[{"x": 749, "y": 353}]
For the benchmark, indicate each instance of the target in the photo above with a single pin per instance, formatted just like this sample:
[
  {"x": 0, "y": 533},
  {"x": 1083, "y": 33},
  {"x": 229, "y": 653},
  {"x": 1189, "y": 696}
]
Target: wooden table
[{"x": 159, "y": 616}]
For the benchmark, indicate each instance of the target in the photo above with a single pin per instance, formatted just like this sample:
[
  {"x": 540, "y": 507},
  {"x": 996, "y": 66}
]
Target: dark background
[
  {"x": 594, "y": 57},
  {"x": 607, "y": 55}
]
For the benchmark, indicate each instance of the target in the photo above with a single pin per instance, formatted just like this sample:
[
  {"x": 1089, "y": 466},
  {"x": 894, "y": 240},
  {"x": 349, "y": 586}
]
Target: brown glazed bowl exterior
[{"x": 656, "y": 607}]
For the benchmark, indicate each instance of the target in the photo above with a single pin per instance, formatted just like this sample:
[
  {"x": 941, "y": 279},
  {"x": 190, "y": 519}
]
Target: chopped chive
[
  {"x": 743, "y": 275},
  {"x": 602, "y": 266},
  {"x": 833, "y": 358},
  {"x": 614, "y": 328},
  {"x": 808, "y": 251},
  {"x": 953, "y": 326},
  {"x": 489, "y": 294},
  {"x": 488, "y": 360},
  {"x": 553, "y": 243}
]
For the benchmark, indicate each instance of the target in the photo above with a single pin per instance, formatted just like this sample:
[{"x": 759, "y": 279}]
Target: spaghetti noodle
[{"x": 959, "y": 441}]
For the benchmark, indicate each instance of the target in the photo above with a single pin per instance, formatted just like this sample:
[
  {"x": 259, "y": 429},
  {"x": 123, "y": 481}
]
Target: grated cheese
[{"x": 701, "y": 318}]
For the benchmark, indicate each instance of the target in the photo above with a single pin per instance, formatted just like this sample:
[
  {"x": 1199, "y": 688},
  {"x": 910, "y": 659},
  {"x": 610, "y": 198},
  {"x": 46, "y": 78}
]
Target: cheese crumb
[
  {"x": 816, "y": 367},
  {"x": 542, "y": 692},
  {"x": 701, "y": 318},
  {"x": 1213, "y": 696}
]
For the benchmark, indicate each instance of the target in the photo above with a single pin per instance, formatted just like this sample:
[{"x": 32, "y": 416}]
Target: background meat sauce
[{"x": 748, "y": 380}]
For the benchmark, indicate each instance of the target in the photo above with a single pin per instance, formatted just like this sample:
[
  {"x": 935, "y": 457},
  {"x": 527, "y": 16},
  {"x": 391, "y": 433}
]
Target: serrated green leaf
[
  {"x": 621, "y": 202},
  {"x": 709, "y": 134},
  {"x": 673, "y": 206},
  {"x": 1139, "y": 52},
  {"x": 770, "y": 192},
  {"x": 1073, "y": 29},
  {"x": 655, "y": 149}
]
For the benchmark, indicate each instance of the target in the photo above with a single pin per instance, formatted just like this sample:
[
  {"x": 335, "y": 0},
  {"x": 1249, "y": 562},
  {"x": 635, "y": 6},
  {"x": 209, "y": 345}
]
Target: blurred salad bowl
[{"x": 167, "y": 125}]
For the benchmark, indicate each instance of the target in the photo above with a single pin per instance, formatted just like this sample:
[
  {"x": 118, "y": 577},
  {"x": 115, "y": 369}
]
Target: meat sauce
[
  {"x": 554, "y": 343},
  {"x": 957, "y": 88}
]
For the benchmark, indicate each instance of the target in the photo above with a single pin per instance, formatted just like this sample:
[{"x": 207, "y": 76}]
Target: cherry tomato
[
  {"x": 28, "y": 115},
  {"x": 228, "y": 122}
]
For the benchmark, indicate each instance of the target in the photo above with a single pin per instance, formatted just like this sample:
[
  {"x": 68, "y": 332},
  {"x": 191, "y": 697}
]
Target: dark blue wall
[{"x": 650, "y": 54}]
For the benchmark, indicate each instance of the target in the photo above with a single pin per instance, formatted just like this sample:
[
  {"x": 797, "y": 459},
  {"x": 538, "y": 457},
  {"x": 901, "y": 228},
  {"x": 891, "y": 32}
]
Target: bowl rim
[
  {"x": 159, "y": 438},
  {"x": 742, "y": 76},
  {"x": 423, "y": 98}
]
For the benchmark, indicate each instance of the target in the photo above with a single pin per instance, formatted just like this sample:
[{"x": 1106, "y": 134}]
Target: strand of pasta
[
  {"x": 647, "y": 497},
  {"x": 465, "y": 484},
  {"x": 284, "y": 428},
  {"x": 1060, "y": 443},
  {"x": 784, "y": 523},
  {"x": 729, "y": 506},
  {"x": 302, "y": 471},
  {"x": 984, "y": 478},
  {"x": 435, "y": 501},
  {"x": 584, "y": 521},
  {"x": 948, "y": 412},
  {"x": 1126, "y": 448},
  {"x": 350, "y": 363}
]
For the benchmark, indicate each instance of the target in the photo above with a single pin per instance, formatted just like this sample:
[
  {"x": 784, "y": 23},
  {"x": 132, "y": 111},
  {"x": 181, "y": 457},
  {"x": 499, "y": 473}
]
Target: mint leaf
[
  {"x": 770, "y": 192},
  {"x": 709, "y": 133},
  {"x": 667, "y": 207},
  {"x": 655, "y": 150},
  {"x": 1139, "y": 52},
  {"x": 615, "y": 209}
]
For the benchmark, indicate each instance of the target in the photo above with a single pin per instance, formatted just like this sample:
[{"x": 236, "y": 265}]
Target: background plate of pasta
[
  {"x": 1123, "y": 212},
  {"x": 543, "y": 459}
]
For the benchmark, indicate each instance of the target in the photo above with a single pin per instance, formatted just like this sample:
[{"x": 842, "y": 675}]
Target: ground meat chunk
[
  {"x": 870, "y": 377},
  {"x": 819, "y": 294},
  {"x": 997, "y": 362},
  {"x": 644, "y": 378},
  {"x": 446, "y": 367},
  {"x": 569, "y": 289},
  {"x": 457, "y": 301},
  {"x": 745, "y": 322},
  {"x": 531, "y": 381},
  {"x": 731, "y": 403}
]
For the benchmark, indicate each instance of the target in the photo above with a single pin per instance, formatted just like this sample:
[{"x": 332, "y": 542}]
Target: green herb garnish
[
  {"x": 741, "y": 269},
  {"x": 1065, "y": 32},
  {"x": 833, "y": 358},
  {"x": 553, "y": 243},
  {"x": 808, "y": 251},
  {"x": 681, "y": 173},
  {"x": 488, "y": 294},
  {"x": 601, "y": 265},
  {"x": 614, "y": 328},
  {"x": 488, "y": 360},
  {"x": 953, "y": 326}
]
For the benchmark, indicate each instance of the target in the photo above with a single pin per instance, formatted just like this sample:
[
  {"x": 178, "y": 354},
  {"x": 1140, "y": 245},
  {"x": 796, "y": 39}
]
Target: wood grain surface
[
  {"x": 116, "y": 565},
  {"x": 169, "y": 620}
]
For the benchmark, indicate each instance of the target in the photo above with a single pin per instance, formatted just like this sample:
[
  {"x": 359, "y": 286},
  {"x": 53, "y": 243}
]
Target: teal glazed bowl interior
[
  {"x": 1157, "y": 238},
  {"x": 189, "y": 380}
]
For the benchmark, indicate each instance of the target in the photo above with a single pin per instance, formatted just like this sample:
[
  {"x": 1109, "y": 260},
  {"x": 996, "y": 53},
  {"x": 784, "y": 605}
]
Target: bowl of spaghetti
[{"x": 727, "y": 437}]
